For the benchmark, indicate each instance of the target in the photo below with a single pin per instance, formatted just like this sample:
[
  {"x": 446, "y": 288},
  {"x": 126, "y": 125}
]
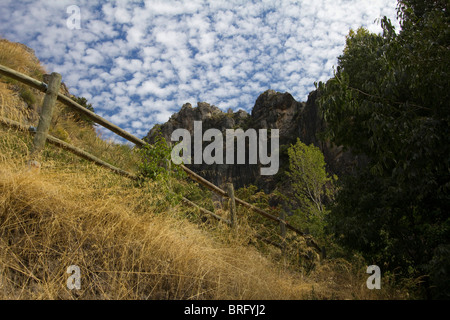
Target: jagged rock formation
[
  {"x": 272, "y": 110},
  {"x": 211, "y": 117}
]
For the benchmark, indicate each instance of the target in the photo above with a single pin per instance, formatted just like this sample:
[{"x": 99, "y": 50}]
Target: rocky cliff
[{"x": 272, "y": 110}]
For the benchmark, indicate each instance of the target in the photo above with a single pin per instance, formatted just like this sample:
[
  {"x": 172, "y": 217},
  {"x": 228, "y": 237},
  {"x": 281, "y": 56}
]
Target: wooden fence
[{"x": 41, "y": 135}]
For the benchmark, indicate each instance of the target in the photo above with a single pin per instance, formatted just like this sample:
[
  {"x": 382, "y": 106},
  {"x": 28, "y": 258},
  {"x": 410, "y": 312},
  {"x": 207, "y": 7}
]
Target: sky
[{"x": 138, "y": 62}]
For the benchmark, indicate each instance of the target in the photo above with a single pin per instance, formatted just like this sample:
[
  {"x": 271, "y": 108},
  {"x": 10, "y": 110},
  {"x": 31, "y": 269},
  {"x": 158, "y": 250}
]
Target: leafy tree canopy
[{"x": 389, "y": 99}]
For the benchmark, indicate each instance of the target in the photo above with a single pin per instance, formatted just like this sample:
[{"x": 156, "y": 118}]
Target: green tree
[
  {"x": 389, "y": 100},
  {"x": 310, "y": 186},
  {"x": 156, "y": 165},
  {"x": 156, "y": 160}
]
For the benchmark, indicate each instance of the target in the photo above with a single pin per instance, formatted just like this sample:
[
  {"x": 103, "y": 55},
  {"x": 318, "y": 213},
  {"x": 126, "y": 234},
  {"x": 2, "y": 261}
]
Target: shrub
[{"x": 28, "y": 96}]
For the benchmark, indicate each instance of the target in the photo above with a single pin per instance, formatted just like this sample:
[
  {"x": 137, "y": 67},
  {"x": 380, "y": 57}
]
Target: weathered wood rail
[
  {"x": 52, "y": 94},
  {"x": 64, "y": 145}
]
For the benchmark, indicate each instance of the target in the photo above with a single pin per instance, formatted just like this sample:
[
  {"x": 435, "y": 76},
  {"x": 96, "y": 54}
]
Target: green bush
[
  {"x": 80, "y": 117},
  {"x": 28, "y": 96},
  {"x": 156, "y": 161}
]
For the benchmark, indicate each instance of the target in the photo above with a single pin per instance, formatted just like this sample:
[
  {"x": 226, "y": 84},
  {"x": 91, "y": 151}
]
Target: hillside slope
[
  {"x": 124, "y": 248},
  {"x": 130, "y": 241}
]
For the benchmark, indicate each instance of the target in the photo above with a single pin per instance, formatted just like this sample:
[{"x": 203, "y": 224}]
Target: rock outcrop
[
  {"x": 272, "y": 110},
  {"x": 211, "y": 117}
]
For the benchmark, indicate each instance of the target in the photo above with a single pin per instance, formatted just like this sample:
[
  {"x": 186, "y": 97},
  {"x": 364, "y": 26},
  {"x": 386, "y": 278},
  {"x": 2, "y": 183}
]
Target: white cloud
[
  {"x": 92, "y": 57},
  {"x": 122, "y": 15},
  {"x": 140, "y": 61}
]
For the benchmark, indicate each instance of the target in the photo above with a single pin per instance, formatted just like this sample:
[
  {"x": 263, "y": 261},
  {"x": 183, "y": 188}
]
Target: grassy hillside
[{"x": 130, "y": 241}]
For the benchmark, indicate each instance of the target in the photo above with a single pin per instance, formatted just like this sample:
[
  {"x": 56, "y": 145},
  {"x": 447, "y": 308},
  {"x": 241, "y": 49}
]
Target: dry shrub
[
  {"x": 17, "y": 56},
  {"x": 49, "y": 222},
  {"x": 13, "y": 107},
  {"x": 18, "y": 101},
  {"x": 340, "y": 279}
]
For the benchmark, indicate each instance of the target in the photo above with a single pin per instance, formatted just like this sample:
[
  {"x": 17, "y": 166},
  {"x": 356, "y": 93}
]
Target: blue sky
[{"x": 138, "y": 62}]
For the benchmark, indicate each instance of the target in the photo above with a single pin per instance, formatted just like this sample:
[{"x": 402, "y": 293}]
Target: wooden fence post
[
  {"x": 230, "y": 192},
  {"x": 283, "y": 230},
  {"x": 323, "y": 254},
  {"x": 46, "y": 114}
]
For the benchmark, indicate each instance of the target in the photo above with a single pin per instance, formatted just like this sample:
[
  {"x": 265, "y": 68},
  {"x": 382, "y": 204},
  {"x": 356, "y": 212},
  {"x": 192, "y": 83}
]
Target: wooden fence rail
[
  {"x": 139, "y": 142},
  {"x": 72, "y": 104},
  {"x": 64, "y": 145},
  {"x": 87, "y": 156}
]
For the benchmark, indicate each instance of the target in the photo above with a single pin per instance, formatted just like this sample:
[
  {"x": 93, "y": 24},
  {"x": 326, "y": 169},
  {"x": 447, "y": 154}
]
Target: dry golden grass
[
  {"x": 132, "y": 244},
  {"x": 16, "y": 56},
  {"x": 17, "y": 101},
  {"x": 21, "y": 103},
  {"x": 13, "y": 107},
  {"x": 50, "y": 221}
]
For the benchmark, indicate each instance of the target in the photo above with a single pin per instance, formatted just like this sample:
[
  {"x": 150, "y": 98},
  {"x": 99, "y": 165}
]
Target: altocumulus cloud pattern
[{"x": 138, "y": 62}]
